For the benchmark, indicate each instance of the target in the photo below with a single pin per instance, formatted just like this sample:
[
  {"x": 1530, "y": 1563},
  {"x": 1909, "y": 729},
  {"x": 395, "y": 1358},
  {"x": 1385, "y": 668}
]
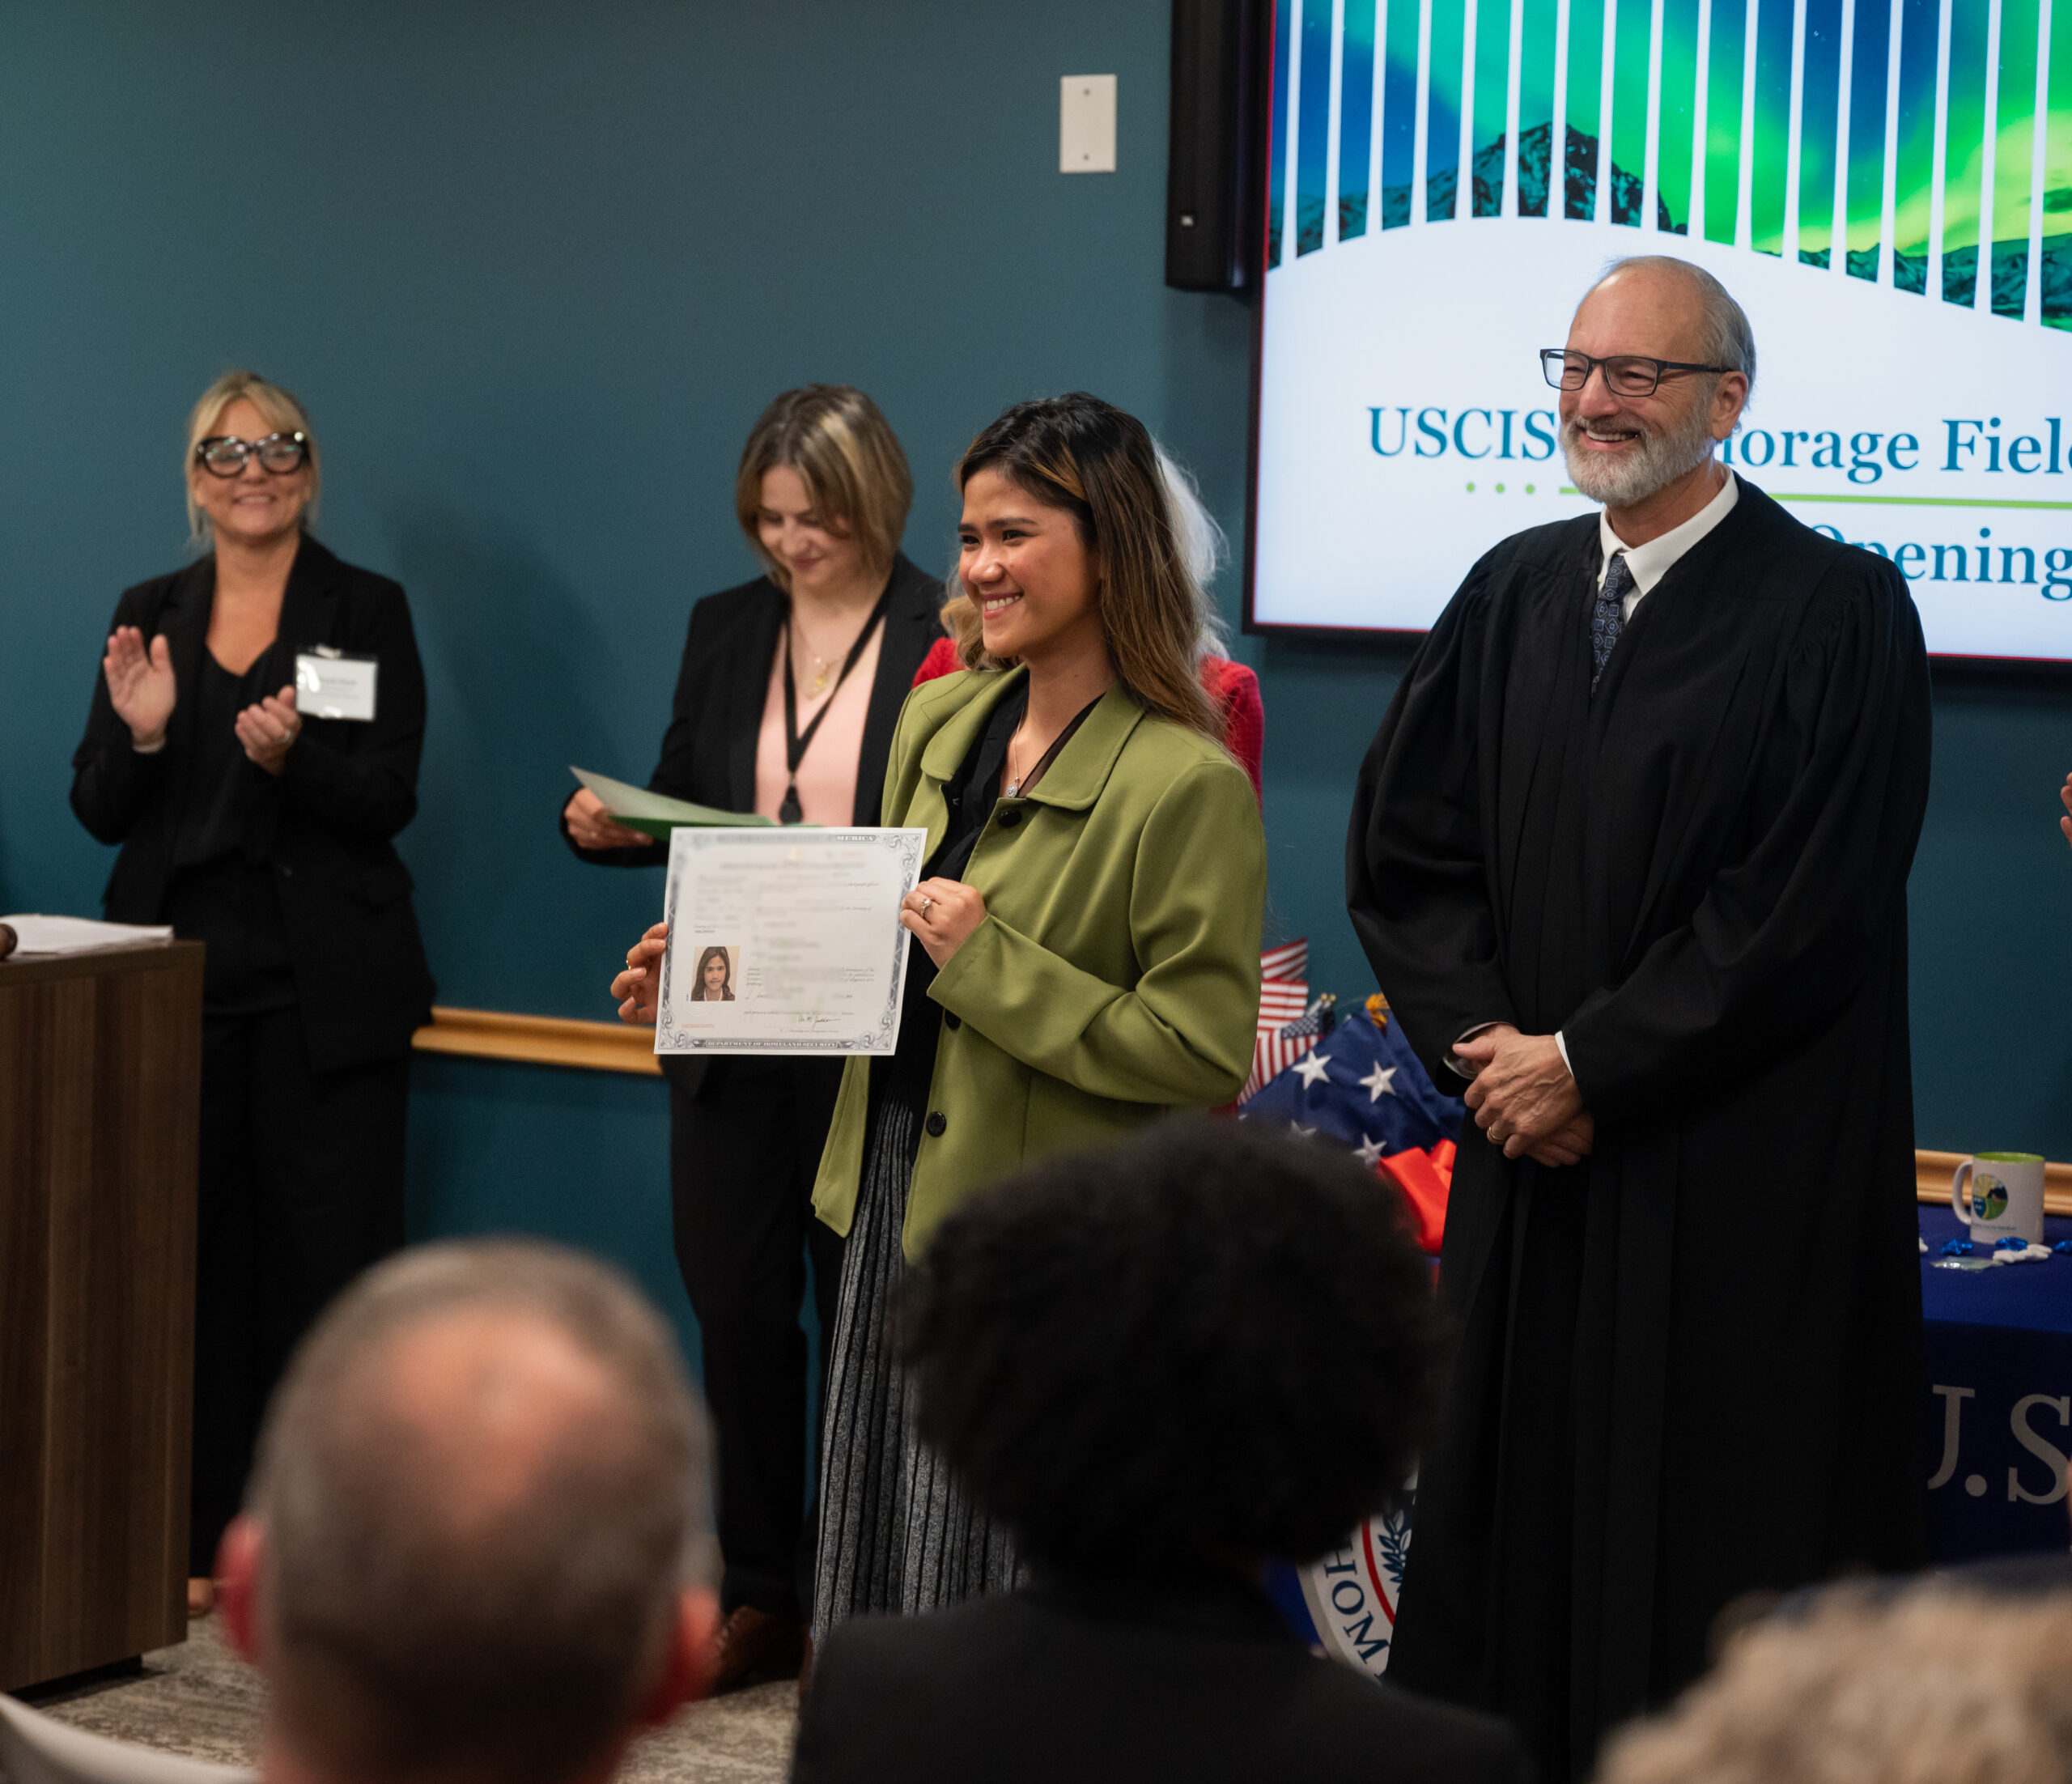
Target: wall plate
[{"x": 1086, "y": 124}]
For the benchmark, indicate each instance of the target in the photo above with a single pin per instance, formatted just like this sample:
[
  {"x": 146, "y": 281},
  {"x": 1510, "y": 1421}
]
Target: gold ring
[{"x": 925, "y": 903}]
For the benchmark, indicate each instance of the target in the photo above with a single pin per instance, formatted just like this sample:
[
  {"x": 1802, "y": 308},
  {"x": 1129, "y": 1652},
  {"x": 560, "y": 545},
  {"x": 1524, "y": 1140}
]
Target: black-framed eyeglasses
[
  {"x": 1625, "y": 374},
  {"x": 224, "y": 455}
]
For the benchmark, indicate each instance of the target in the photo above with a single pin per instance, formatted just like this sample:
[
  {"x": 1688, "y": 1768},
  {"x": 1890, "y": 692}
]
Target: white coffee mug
[{"x": 1999, "y": 1195}]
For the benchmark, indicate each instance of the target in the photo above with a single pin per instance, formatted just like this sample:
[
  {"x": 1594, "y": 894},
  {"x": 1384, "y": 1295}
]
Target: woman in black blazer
[
  {"x": 263, "y": 831},
  {"x": 844, "y": 620}
]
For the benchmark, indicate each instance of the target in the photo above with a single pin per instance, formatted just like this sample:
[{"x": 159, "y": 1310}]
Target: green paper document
[{"x": 656, "y": 814}]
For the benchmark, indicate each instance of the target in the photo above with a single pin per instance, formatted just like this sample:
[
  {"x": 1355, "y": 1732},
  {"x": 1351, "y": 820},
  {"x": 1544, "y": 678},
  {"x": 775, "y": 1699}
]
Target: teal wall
[{"x": 535, "y": 267}]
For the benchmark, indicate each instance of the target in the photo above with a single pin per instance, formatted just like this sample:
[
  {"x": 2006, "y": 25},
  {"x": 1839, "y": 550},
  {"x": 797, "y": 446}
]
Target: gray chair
[{"x": 38, "y": 1749}]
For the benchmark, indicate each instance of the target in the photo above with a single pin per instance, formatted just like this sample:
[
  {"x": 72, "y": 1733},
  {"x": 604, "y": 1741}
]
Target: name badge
[{"x": 330, "y": 686}]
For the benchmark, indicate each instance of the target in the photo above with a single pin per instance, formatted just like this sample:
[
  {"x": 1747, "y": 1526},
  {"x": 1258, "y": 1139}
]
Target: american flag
[
  {"x": 1275, "y": 1053},
  {"x": 1284, "y": 998},
  {"x": 1317, "y": 1021},
  {"x": 1290, "y": 960},
  {"x": 1360, "y": 1085}
]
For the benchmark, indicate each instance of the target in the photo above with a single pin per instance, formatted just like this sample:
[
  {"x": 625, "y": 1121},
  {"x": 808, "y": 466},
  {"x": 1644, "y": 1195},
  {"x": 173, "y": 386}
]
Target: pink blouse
[{"x": 827, "y": 774}]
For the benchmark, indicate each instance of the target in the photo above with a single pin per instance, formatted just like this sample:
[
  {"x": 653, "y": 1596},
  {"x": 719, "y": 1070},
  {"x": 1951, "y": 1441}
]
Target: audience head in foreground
[
  {"x": 477, "y": 1544},
  {"x": 1158, "y": 1364},
  {"x": 1936, "y": 1686},
  {"x": 1214, "y": 1343}
]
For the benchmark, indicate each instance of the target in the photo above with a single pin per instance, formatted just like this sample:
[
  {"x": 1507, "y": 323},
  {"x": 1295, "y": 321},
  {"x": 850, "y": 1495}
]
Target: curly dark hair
[{"x": 1212, "y": 1338}]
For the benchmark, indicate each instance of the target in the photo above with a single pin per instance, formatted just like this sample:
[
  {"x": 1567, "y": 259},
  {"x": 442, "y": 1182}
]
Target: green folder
[{"x": 655, "y": 815}]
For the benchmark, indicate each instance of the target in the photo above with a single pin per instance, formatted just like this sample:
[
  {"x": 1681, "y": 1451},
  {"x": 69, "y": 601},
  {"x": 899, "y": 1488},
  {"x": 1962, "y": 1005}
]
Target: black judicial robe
[{"x": 1689, "y": 1367}]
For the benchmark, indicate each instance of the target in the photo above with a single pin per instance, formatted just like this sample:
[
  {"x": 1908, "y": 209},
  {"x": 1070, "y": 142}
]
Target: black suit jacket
[
  {"x": 347, "y": 787},
  {"x": 1098, "y": 1682},
  {"x": 708, "y": 753}
]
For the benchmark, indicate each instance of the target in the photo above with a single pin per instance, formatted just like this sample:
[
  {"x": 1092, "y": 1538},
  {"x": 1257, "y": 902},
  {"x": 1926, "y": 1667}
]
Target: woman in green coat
[{"x": 1087, "y": 931}]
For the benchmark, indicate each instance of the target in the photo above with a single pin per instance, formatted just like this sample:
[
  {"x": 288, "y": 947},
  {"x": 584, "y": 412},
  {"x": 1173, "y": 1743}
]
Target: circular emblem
[
  {"x": 1351, "y": 1595},
  {"x": 1989, "y": 1196}
]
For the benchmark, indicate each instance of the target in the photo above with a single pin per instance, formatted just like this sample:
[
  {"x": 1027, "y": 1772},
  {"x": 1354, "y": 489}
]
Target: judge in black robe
[{"x": 1689, "y": 1365}]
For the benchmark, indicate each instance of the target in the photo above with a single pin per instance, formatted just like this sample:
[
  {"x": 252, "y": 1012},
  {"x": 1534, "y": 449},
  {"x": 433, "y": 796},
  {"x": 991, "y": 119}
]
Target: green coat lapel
[{"x": 1074, "y": 781}]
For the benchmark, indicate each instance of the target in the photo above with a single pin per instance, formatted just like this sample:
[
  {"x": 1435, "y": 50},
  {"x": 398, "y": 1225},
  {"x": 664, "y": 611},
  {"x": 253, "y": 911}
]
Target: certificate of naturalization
[{"x": 786, "y": 940}]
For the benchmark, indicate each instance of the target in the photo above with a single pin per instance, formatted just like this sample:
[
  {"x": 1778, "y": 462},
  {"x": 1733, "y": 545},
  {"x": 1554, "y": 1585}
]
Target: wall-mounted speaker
[{"x": 1213, "y": 230}]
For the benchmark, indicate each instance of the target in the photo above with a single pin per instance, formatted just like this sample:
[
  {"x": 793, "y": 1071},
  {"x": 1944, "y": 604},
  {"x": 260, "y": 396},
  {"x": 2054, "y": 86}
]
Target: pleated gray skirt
[{"x": 896, "y": 1532}]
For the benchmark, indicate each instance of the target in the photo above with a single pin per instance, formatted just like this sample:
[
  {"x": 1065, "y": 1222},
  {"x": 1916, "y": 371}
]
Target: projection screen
[{"x": 1885, "y": 184}]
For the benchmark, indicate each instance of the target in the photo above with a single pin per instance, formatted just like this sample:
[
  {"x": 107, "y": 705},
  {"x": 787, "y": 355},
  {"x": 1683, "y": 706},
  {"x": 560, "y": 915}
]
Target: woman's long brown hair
[{"x": 1088, "y": 457}]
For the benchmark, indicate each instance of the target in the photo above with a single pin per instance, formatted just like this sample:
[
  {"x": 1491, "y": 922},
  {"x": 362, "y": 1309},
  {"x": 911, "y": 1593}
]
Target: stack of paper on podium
[
  {"x": 49, "y": 936},
  {"x": 656, "y": 813}
]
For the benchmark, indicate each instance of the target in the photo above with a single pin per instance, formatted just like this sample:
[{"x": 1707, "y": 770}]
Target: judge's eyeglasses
[
  {"x": 1625, "y": 374},
  {"x": 224, "y": 455}
]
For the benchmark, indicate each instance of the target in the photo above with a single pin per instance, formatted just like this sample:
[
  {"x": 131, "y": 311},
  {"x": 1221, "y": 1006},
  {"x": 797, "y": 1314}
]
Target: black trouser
[
  {"x": 301, "y": 1188},
  {"x": 743, "y": 1151}
]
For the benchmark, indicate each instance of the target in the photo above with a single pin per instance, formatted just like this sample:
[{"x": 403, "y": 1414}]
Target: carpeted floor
[{"x": 201, "y": 1700}]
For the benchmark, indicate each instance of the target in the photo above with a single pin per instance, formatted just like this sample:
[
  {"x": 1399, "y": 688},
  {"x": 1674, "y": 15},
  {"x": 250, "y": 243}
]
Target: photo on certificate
[
  {"x": 717, "y": 967},
  {"x": 786, "y": 940}
]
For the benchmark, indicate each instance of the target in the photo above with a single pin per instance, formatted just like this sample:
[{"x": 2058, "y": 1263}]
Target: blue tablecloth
[
  {"x": 1996, "y": 1424},
  {"x": 1998, "y": 1401}
]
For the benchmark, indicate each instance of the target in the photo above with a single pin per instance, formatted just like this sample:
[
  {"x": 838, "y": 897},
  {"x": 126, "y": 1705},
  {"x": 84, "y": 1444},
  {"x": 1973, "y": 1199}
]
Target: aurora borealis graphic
[{"x": 1928, "y": 142}]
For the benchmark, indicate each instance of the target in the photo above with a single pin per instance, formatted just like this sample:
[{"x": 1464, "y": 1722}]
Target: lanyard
[{"x": 796, "y": 744}]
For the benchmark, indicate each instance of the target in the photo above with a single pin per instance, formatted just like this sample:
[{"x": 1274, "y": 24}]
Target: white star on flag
[
  {"x": 1312, "y": 1070},
  {"x": 1307, "y": 1134},
  {"x": 1377, "y": 1083},
  {"x": 1370, "y": 1153}
]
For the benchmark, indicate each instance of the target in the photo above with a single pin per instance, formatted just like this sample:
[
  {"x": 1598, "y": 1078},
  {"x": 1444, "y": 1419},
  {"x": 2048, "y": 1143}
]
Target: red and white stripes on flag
[
  {"x": 1283, "y": 995},
  {"x": 1290, "y": 960}
]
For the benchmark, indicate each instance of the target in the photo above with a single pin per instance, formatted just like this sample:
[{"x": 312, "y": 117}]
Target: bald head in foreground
[
  {"x": 1630, "y": 852},
  {"x": 477, "y": 1544}
]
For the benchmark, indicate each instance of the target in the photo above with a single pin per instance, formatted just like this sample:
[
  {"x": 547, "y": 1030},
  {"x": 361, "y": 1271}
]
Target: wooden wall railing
[
  {"x": 613, "y": 1046},
  {"x": 539, "y": 1040}
]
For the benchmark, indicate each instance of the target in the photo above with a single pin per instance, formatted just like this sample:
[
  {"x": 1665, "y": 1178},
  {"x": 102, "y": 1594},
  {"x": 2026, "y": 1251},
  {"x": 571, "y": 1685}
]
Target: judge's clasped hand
[
  {"x": 1524, "y": 1098},
  {"x": 941, "y": 914}
]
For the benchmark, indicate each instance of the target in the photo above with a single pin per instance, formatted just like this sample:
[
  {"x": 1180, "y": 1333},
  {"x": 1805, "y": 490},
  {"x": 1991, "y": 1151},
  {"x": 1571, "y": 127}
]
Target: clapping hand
[
  {"x": 639, "y": 987},
  {"x": 268, "y": 730},
  {"x": 141, "y": 684}
]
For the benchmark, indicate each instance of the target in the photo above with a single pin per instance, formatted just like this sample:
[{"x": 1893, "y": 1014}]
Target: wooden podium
[{"x": 100, "y": 1075}]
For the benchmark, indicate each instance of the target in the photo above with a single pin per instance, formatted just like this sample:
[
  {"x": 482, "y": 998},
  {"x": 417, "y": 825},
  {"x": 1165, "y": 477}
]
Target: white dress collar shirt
[{"x": 1650, "y": 563}]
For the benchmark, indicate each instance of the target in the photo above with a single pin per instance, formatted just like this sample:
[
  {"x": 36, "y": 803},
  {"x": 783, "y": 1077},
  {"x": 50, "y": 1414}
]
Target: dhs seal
[{"x": 1348, "y": 1599}]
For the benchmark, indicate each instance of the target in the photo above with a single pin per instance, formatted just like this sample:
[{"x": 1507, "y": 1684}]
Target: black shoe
[{"x": 756, "y": 1647}]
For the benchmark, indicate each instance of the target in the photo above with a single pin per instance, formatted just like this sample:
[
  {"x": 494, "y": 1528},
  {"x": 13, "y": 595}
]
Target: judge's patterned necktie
[{"x": 1607, "y": 619}]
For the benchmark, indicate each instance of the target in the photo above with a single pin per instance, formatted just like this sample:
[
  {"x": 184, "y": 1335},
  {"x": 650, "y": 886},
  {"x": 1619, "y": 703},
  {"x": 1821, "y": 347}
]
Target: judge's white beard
[{"x": 1660, "y": 460}]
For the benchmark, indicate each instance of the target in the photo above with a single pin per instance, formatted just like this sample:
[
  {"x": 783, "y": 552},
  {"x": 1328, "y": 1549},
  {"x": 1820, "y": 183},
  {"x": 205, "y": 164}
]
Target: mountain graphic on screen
[{"x": 1535, "y": 154}]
